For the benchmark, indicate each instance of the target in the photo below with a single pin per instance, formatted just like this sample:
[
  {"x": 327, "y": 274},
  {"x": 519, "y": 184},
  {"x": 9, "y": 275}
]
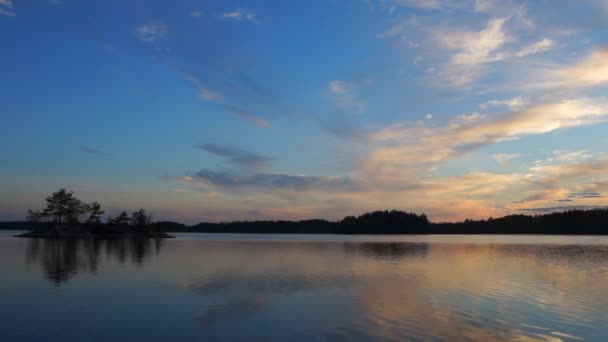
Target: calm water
[{"x": 277, "y": 288}]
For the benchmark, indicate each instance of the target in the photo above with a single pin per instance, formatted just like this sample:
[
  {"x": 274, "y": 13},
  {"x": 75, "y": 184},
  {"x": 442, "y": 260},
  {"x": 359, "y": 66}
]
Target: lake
[{"x": 305, "y": 287}]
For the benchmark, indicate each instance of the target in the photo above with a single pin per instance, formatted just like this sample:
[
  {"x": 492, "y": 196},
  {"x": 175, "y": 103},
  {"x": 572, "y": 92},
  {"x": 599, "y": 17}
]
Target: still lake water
[{"x": 305, "y": 287}]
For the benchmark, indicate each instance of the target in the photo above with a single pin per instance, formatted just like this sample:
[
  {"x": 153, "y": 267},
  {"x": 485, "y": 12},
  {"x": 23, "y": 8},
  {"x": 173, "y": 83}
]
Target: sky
[{"x": 247, "y": 110}]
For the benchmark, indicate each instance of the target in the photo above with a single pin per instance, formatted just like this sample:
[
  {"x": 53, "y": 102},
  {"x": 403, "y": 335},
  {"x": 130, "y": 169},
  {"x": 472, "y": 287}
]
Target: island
[{"x": 65, "y": 216}]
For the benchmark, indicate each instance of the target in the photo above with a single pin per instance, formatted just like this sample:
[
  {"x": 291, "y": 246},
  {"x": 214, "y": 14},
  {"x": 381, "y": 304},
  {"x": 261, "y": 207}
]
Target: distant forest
[{"x": 574, "y": 222}]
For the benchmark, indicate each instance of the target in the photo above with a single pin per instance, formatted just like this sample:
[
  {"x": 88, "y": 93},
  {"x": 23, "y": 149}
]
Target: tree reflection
[
  {"x": 388, "y": 250},
  {"x": 62, "y": 259}
]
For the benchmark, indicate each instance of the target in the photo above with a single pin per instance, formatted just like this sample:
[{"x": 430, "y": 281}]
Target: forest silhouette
[
  {"x": 573, "y": 222},
  {"x": 66, "y": 216}
]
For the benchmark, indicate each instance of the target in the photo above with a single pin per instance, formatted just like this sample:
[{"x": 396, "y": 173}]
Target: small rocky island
[{"x": 65, "y": 216}]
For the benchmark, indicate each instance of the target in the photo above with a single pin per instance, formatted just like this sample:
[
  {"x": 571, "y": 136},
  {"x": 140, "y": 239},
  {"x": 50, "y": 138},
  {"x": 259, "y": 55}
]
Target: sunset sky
[{"x": 234, "y": 110}]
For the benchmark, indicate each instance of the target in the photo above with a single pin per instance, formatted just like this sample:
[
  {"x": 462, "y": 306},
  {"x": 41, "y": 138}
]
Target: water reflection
[
  {"x": 239, "y": 290},
  {"x": 62, "y": 259},
  {"x": 411, "y": 291},
  {"x": 387, "y": 250}
]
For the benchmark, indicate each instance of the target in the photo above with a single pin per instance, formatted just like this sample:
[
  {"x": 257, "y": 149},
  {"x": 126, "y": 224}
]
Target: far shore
[{"x": 574, "y": 222}]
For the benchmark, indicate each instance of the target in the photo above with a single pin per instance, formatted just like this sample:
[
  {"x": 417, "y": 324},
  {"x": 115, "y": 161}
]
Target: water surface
[{"x": 305, "y": 287}]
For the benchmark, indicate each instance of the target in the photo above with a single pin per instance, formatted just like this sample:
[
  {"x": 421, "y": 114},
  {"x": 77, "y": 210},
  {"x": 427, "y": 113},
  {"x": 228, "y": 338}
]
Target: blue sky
[{"x": 223, "y": 110}]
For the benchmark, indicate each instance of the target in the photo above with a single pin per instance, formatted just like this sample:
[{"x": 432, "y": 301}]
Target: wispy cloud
[
  {"x": 7, "y": 8},
  {"x": 209, "y": 95},
  {"x": 542, "y": 45},
  {"x": 474, "y": 50},
  {"x": 151, "y": 32},
  {"x": 400, "y": 29},
  {"x": 503, "y": 158},
  {"x": 240, "y": 15},
  {"x": 493, "y": 7},
  {"x": 592, "y": 71},
  {"x": 587, "y": 194},
  {"x": 568, "y": 156},
  {"x": 567, "y": 180},
  {"x": 431, "y": 4},
  {"x": 205, "y": 92},
  {"x": 342, "y": 94},
  {"x": 543, "y": 195},
  {"x": 546, "y": 210},
  {"x": 95, "y": 151},
  {"x": 514, "y": 103},
  {"x": 280, "y": 181},
  {"x": 411, "y": 147},
  {"x": 238, "y": 156},
  {"x": 247, "y": 116}
]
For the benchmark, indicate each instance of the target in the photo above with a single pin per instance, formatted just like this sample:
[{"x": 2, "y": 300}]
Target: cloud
[
  {"x": 514, "y": 103},
  {"x": 431, "y": 4},
  {"x": 275, "y": 181},
  {"x": 494, "y": 7},
  {"x": 547, "y": 210},
  {"x": 534, "y": 48},
  {"x": 585, "y": 195},
  {"x": 502, "y": 158},
  {"x": 240, "y": 15},
  {"x": 196, "y": 13},
  {"x": 474, "y": 50},
  {"x": 407, "y": 148},
  {"x": 244, "y": 115},
  {"x": 400, "y": 28},
  {"x": 453, "y": 197},
  {"x": 542, "y": 195},
  {"x": 590, "y": 72},
  {"x": 569, "y": 156},
  {"x": 151, "y": 32},
  {"x": 95, "y": 151},
  {"x": 567, "y": 180},
  {"x": 593, "y": 184},
  {"x": 209, "y": 95},
  {"x": 342, "y": 93},
  {"x": 485, "y": 6},
  {"x": 468, "y": 53},
  {"x": 205, "y": 92},
  {"x": 7, "y": 8},
  {"x": 237, "y": 156}
]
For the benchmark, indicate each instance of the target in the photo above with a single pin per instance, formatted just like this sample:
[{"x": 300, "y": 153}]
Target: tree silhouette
[
  {"x": 95, "y": 212},
  {"x": 63, "y": 207},
  {"x": 140, "y": 218},
  {"x": 122, "y": 219}
]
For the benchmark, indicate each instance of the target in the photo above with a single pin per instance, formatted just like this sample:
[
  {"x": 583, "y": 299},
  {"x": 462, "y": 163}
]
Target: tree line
[
  {"x": 377, "y": 222},
  {"x": 64, "y": 209},
  {"x": 573, "y": 222}
]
